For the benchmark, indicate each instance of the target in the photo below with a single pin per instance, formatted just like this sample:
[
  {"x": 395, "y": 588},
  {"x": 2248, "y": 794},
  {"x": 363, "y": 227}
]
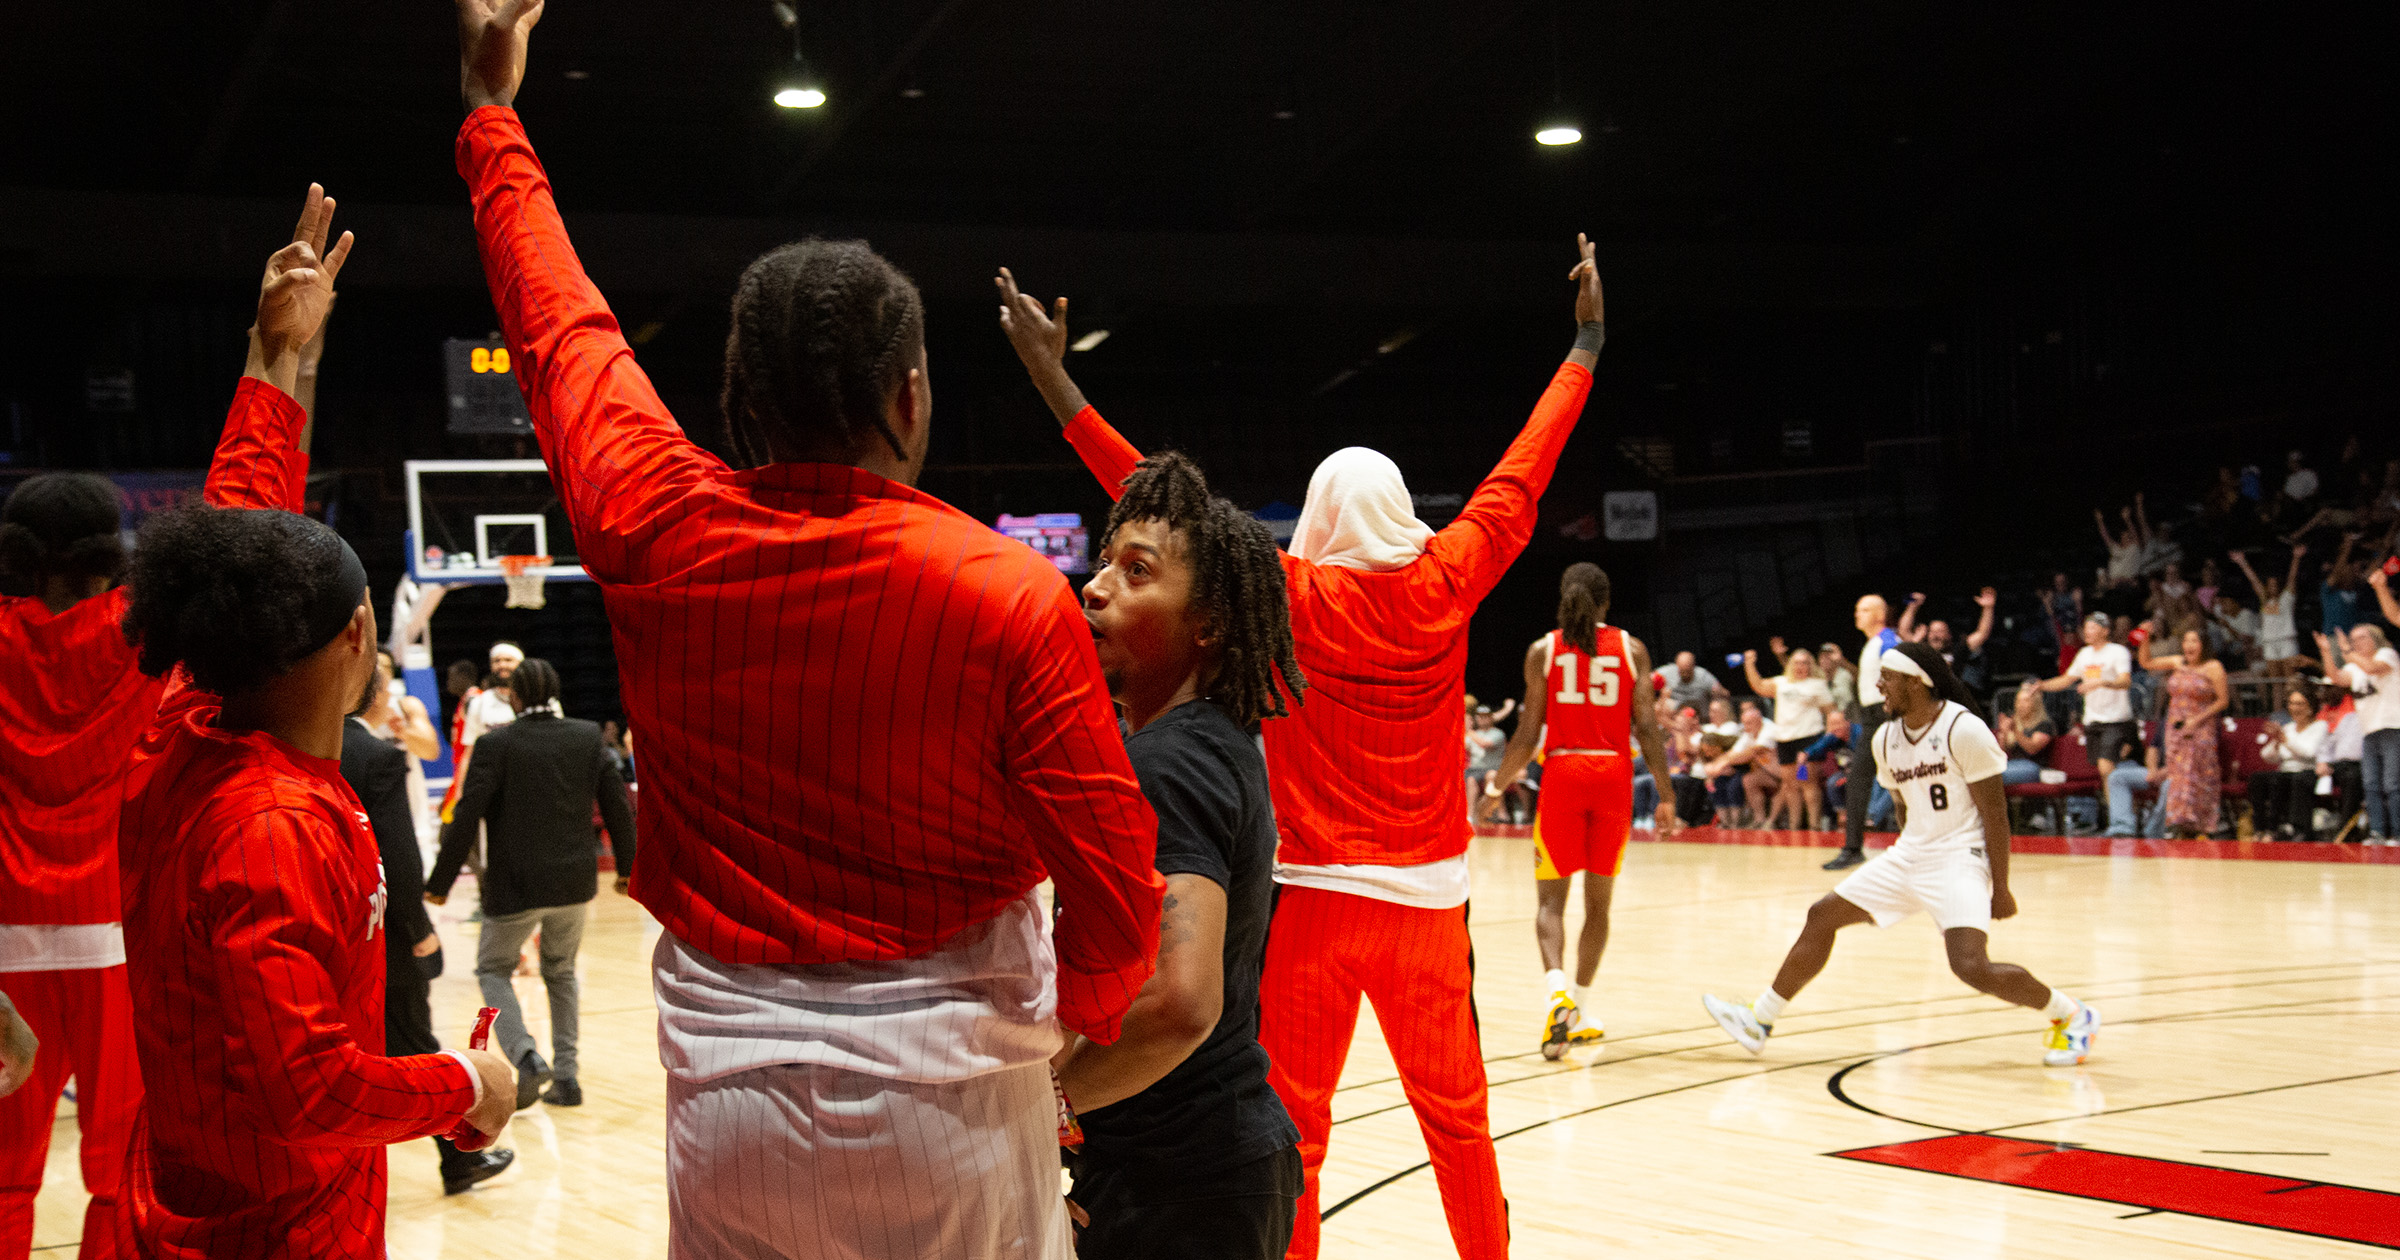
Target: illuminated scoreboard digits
[
  {"x": 1059, "y": 536},
  {"x": 482, "y": 388}
]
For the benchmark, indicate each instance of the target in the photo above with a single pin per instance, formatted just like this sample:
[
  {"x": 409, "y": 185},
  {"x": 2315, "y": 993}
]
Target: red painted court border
[
  {"x": 2053, "y": 846},
  {"x": 2350, "y": 1213}
]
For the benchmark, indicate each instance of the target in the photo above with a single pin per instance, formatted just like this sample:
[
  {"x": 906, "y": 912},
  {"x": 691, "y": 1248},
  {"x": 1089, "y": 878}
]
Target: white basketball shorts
[{"x": 1952, "y": 887}]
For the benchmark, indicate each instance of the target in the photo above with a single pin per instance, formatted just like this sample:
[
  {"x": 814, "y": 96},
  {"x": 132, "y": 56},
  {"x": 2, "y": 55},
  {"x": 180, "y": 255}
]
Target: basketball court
[{"x": 2243, "y": 1098}]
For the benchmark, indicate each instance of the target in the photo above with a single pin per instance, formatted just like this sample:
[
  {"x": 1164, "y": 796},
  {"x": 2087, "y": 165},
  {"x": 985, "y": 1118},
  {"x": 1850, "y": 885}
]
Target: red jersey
[
  {"x": 868, "y": 721},
  {"x": 1591, "y": 695},
  {"x": 71, "y": 705},
  {"x": 1366, "y": 772},
  {"x": 253, "y": 911}
]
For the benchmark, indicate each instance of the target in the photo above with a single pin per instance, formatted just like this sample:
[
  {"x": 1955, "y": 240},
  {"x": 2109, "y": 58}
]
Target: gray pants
[
  {"x": 496, "y": 964},
  {"x": 797, "y": 1161}
]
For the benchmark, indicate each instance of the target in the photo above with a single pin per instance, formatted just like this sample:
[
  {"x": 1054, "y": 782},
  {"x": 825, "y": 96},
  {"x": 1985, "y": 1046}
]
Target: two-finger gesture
[
  {"x": 297, "y": 290},
  {"x": 1586, "y": 275}
]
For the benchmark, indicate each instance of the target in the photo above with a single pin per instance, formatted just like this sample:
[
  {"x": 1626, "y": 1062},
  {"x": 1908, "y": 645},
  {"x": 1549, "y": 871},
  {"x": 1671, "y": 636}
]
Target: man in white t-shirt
[
  {"x": 1869, "y": 617},
  {"x": 2373, "y": 673},
  {"x": 1951, "y": 861},
  {"x": 2102, "y": 673}
]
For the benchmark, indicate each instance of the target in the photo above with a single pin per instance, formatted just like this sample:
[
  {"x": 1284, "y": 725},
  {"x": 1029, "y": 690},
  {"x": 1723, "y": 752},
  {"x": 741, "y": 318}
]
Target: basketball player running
[
  {"x": 858, "y": 991},
  {"x": 1187, "y": 1152},
  {"x": 252, "y": 892},
  {"x": 1942, "y": 766},
  {"x": 1586, "y": 683},
  {"x": 1369, "y": 802}
]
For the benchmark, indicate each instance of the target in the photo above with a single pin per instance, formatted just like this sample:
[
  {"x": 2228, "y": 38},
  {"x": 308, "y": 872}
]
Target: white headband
[{"x": 1898, "y": 662}]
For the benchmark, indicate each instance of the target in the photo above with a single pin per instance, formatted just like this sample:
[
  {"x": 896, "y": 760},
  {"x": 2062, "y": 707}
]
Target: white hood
[{"x": 1358, "y": 514}]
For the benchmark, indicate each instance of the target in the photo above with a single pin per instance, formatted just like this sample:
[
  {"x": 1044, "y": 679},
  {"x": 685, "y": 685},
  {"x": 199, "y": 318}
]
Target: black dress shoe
[
  {"x": 470, "y": 1169},
  {"x": 532, "y": 1074},
  {"x": 1845, "y": 859},
  {"x": 563, "y": 1092}
]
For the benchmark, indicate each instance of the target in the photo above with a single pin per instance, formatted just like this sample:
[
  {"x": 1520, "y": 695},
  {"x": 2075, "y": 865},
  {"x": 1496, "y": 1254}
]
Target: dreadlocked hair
[
  {"x": 823, "y": 332},
  {"x": 1582, "y": 595},
  {"x": 1237, "y": 583},
  {"x": 535, "y": 684},
  {"x": 62, "y": 525},
  {"x": 1945, "y": 683}
]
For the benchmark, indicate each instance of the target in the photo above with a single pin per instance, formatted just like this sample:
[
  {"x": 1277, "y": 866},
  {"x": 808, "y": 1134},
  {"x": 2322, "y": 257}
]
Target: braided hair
[
  {"x": 1582, "y": 597},
  {"x": 1945, "y": 683},
  {"x": 823, "y": 333},
  {"x": 535, "y": 684},
  {"x": 62, "y": 525},
  {"x": 1237, "y": 583}
]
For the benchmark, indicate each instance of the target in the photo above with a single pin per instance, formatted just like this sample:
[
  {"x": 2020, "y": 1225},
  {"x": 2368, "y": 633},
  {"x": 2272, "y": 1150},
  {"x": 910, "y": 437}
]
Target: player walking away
[
  {"x": 1186, "y": 1150},
  {"x": 1859, "y": 792},
  {"x": 1942, "y": 766},
  {"x": 378, "y": 771},
  {"x": 252, "y": 893},
  {"x": 858, "y": 991},
  {"x": 1369, "y": 801},
  {"x": 71, "y": 706},
  {"x": 1587, "y": 689}
]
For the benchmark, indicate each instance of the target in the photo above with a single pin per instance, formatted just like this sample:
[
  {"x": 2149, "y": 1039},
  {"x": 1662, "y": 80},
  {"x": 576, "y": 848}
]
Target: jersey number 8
[
  {"x": 1938, "y": 795},
  {"x": 1603, "y": 690}
]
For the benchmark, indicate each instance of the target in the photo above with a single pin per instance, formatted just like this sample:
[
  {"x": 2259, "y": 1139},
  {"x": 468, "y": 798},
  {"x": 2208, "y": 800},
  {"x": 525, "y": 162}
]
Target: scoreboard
[{"x": 483, "y": 389}]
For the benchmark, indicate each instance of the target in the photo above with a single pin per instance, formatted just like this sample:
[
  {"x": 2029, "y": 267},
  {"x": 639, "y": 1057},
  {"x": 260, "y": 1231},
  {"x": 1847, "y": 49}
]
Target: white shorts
[{"x": 1953, "y": 888}]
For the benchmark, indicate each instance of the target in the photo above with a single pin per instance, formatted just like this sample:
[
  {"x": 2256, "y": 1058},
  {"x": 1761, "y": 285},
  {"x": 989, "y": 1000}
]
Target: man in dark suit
[
  {"x": 536, "y": 781},
  {"x": 378, "y": 772}
]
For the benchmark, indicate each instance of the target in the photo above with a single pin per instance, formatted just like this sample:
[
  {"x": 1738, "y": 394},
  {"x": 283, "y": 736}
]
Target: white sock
[
  {"x": 1556, "y": 979},
  {"x": 1582, "y": 997},
  {"x": 1767, "y": 1007},
  {"x": 2061, "y": 1007}
]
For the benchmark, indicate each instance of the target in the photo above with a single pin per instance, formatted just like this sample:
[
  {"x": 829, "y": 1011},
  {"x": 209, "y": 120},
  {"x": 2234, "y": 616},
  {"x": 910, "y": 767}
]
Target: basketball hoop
[{"x": 524, "y": 589}]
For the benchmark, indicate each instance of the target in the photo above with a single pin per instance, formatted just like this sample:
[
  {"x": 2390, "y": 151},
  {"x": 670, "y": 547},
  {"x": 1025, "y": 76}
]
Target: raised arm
[
  {"x": 1758, "y": 685},
  {"x": 1988, "y": 599},
  {"x": 1498, "y": 519},
  {"x": 1908, "y": 616},
  {"x": 2291, "y": 577},
  {"x": 1528, "y": 739},
  {"x": 2332, "y": 668},
  {"x": 1040, "y": 340},
  {"x": 618, "y": 458},
  {"x": 258, "y": 462},
  {"x": 2382, "y": 583}
]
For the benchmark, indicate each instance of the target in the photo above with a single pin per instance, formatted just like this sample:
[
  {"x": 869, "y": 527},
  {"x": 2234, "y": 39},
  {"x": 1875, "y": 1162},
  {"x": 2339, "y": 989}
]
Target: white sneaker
[
  {"x": 1585, "y": 1029},
  {"x": 1738, "y": 1021},
  {"x": 2071, "y": 1039}
]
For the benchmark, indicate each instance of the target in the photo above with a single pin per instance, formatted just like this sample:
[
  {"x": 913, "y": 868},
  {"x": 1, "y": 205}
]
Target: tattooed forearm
[{"x": 1174, "y": 929}]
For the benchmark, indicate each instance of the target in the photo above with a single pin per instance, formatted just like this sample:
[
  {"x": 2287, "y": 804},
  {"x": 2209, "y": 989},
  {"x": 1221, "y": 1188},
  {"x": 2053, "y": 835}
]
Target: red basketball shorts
[{"x": 1585, "y": 816}]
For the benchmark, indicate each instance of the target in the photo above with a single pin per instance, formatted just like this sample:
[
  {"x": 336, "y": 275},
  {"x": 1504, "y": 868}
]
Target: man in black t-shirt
[{"x": 1187, "y": 1151}]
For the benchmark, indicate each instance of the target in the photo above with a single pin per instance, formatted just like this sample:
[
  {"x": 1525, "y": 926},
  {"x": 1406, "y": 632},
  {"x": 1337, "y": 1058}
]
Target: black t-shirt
[{"x": 1207, "y": 780}]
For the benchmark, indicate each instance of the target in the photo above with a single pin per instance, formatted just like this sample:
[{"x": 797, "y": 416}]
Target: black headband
[{"x": 329, "y": 607}]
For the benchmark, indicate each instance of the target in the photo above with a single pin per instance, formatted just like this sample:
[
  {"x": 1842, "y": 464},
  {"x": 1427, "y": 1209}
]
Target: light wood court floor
[{"x": 2252, "y": 1024}]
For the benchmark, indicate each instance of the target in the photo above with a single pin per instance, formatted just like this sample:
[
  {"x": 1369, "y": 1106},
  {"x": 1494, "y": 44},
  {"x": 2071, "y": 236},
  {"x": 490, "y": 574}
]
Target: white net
[{"x": 524, "y": 587}]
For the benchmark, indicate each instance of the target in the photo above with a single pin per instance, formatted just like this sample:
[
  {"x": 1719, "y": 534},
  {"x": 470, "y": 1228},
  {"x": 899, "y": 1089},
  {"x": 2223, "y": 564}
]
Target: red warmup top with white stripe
[
  {"x": 71, "y": 705},
  {"x": 867, "y": 720},
  {"x": 1366, "y": 772},
  {"x": 253, "y": 901},
  {"x": 1591, "y": 696}
]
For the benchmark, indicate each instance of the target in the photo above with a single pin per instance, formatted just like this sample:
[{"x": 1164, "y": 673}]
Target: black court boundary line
[
  {"x": 1497, "y": 1138},
  {"x": 1867, "y": 1023},
  {"x": 1956, "y": 997}
]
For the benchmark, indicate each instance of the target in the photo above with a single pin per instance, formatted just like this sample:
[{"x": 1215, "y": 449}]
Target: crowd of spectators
[{"x": 2267, "y": 598}]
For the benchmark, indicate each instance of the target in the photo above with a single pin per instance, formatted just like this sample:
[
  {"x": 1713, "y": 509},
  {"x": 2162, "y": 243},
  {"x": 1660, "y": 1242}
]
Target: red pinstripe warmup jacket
[
  {"x": 867, "y": 721},
  {"x": 253, "y": 902},
  {"x": 1367, "y": 772}
]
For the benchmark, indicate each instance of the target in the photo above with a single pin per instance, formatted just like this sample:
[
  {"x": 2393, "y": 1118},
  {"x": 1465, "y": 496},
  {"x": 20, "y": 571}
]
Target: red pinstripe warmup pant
[
  {"x": 1326, "y": 950},
  {"x": 85, "y": 1021}
]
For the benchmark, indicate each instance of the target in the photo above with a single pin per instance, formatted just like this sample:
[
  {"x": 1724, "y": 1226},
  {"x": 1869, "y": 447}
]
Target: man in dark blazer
[
  {"x": 536, "y": 781},
  {"x": 378, "y": 772}
]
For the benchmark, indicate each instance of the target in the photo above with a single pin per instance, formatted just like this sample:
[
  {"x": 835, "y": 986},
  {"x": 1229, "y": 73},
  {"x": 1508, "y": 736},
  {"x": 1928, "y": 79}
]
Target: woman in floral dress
[{"x": 2196, "y": 695}]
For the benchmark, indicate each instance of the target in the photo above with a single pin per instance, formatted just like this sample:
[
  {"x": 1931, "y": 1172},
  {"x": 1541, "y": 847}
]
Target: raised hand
[
  {"x": 1586, "y": 275},
  {"x": 491, "y": 49},
  {"x": 297, "y": 290},
  {"x": 1040, "y": 337},
  {"x": 1987, "y": 597}
]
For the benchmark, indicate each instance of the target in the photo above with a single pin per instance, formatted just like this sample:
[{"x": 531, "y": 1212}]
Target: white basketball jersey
[{"x": 1929, "y": 768}]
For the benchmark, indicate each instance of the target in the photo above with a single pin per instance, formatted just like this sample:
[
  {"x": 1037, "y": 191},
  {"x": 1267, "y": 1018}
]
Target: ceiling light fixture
[
  {"x": 1090, "y": 339},
  {"x": 1560, "y": 129},
  {"x": 798, "y": 87},
  {"x": 1557, "y": 134}
]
